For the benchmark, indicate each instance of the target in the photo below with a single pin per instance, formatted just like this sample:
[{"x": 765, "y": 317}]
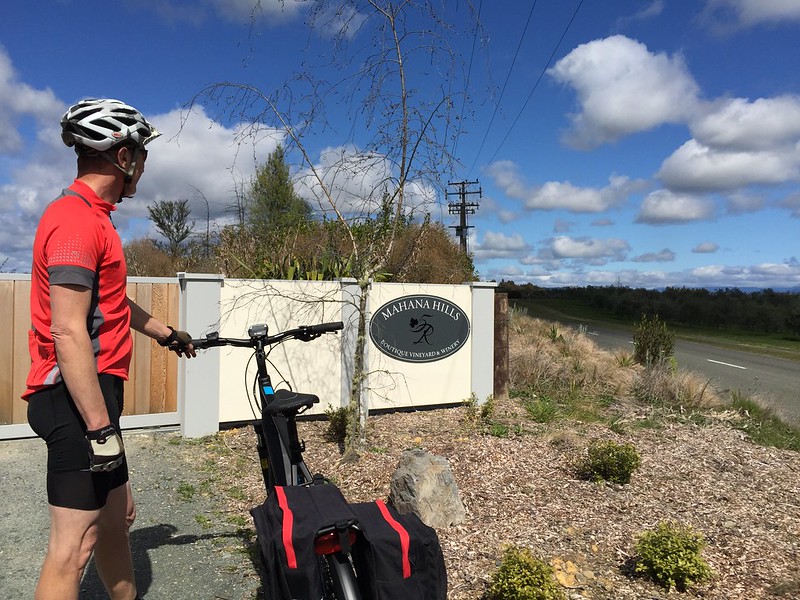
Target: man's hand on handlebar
[{"x": 179, "y": 342}]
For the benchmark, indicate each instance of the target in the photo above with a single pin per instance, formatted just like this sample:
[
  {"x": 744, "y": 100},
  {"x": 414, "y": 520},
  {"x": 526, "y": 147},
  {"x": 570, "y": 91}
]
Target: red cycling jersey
[{"x": 76, "y": 243}]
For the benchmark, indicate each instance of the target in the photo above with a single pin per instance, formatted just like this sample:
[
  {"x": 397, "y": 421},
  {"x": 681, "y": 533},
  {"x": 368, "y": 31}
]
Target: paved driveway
[{"x": 184, "y": 547}]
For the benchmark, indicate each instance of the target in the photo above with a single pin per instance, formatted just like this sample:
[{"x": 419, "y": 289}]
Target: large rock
[{"x": 424, "y": 484}]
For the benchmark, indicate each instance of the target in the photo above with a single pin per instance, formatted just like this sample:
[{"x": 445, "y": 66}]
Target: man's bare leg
[
  {"x": 112, "y": 552},
  {"x": 73, "y": 534}
]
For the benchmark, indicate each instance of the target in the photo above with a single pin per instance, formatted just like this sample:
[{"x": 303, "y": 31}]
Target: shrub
[
  {"x": 653, "y": 343},
  {"x": 670, "y": 556},
  {"x": 481, "y": 416},
  {"x": 338, "y": 419},
  {"x": 499, "y": 430},
  {"x": 541, "y": 409},
  {"x": 521, "y": 576},
  {"x": 609, "y": 461}
]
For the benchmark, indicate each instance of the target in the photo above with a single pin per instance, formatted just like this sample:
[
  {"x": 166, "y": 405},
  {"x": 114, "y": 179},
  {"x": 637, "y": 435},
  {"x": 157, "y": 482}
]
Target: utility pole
[{"x": 463, "y": 208}]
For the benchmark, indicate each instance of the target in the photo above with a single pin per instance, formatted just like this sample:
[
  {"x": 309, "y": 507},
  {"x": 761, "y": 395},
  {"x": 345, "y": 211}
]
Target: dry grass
[
  {"x": 546, "y": 359},
  {"x": 543, "y": 355}
]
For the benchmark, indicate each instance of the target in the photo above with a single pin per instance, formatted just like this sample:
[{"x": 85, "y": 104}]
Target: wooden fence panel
[
  {"x": 22, "y": 358},
  {"x": 7, "y": 384},
  {"x": 14, "y": 358},
  {"x": 152, "y": 387}
]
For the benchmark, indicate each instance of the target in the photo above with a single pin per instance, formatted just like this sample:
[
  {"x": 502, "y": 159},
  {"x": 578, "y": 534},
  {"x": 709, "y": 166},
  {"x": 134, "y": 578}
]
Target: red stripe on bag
[
  {"x": 288, "y": 523},
  {"x": 404, "y": 538}
]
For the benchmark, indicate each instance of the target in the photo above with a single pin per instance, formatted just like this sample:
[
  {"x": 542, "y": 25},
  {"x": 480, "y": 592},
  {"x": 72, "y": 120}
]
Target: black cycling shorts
[{"x": 53, "y": 416}]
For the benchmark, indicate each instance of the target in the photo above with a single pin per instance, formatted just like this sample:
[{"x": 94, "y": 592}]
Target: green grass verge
[{"x": 764, "y": 427}]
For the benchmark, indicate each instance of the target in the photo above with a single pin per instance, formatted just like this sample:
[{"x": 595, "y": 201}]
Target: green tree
[
  {"x": 171, "y": 219},
  {"x": 653, "y": 342},
  {"x": 793, "y": 320},
  {"x": 272, "y": 205}
]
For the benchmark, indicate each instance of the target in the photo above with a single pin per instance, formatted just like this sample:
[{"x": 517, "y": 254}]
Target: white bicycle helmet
[{"x": 100, "y": 124}]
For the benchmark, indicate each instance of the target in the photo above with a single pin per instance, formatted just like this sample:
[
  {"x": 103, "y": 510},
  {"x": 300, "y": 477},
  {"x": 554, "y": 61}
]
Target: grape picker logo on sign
[{"x": 419, "y": 328}]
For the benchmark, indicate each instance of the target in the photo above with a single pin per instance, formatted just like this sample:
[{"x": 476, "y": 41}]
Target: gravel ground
[{"x": 183, "y": 546}]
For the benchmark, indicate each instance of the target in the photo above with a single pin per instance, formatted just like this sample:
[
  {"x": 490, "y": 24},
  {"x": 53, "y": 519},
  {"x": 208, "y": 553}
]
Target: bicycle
[{"x": 281, "y": 452}]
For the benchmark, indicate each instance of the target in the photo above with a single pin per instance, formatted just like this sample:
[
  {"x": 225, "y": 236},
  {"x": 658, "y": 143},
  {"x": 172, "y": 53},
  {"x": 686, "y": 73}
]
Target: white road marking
[{"x": 727, "y": 364}]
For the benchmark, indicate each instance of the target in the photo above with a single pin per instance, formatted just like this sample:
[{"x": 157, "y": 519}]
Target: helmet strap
[{"x": 111, "y": 156}]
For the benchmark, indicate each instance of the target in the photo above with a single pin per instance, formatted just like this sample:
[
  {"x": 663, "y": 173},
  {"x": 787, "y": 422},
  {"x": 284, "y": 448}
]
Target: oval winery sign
[{"x": 419, "y": 328}]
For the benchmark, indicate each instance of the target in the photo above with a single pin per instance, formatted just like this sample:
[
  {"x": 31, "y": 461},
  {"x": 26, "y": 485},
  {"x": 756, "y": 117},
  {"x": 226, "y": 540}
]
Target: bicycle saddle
[{"x": 287, "y": 401}]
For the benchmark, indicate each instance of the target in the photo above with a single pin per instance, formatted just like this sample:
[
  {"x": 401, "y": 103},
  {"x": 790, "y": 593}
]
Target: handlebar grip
[
  {"x": 206, "y": 342},
  {"x": 326, "y": 327}
]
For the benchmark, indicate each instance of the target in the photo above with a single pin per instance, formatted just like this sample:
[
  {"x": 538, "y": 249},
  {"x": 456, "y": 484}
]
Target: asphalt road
[{"x": 775, "y": 380}]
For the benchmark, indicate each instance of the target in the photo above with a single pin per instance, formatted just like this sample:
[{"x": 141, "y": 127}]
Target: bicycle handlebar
[
  {"x": 326, "y": 327},
  {"x": 258, "y": 336}
]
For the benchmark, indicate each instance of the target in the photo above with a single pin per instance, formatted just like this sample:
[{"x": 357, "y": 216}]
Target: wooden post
[{"x": 501, "y": 345}]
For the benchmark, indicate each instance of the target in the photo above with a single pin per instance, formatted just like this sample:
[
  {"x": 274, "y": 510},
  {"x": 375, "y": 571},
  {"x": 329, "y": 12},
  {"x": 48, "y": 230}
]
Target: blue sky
[{"x": 640, "y": 143}]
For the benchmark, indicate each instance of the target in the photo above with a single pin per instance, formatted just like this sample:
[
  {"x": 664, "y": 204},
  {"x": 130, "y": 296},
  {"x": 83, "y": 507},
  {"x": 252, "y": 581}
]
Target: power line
[
  {"x": 535, "y": 85},
  {"x": 505, "y": 84},
  {"x": 469, "y": 74}
]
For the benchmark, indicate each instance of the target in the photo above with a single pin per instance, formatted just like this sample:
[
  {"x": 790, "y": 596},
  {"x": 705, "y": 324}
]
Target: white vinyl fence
[
  {"x": 426, "y": 345},
  {"x": 324, "y": 366}
]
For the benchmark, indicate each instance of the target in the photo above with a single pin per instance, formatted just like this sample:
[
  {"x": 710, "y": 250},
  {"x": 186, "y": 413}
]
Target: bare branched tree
[{"x": 396, "y": 79}]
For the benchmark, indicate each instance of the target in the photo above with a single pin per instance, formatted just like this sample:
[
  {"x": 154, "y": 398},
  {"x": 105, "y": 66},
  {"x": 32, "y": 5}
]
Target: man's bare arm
[
  {"x": 69, "y": 305},
  {"x": 145, "y": 323}
]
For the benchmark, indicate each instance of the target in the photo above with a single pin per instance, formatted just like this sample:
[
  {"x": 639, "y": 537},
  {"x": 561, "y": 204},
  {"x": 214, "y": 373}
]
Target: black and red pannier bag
[
  {"x": 397, "y": 556},
  {"x": 287, "y": 524}
]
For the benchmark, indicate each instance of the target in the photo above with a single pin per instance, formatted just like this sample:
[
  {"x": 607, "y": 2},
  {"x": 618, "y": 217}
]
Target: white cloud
[
  {"x": 734, "y": 14},
  {"x": 339, "y": 21},
  {"x": 741, "y": 203},
  {"x": 500, "y": 245},
  {"x": 624, "y": 88},
  {"x": 489, "y": 205},
  {"x": 19, "y": 100},
  {"x": 695, "y": 167},
  {"x": 653, "y": 9},
  {"x": 773, "y": 275},
  {"x": 650, "y": 11},
  {"x": 242, "y": 10},
  {"x": 737, "y": 124},
  {"x": 665, "y": 255},
  {"x": 591, "y": 249},
  {"x": 234, "y": 11},
  {"x": 356, "y": 182},
  {"x": 509, "y": 272},
  {"x": 597, "y": 277},
  {"x": 738, "y": 143},
  {"x": 562, "y": 195},
  {"x": 194, "y": 157},
  {"x": 705, "y": 248},
  {"x": 663, "y": 206},
  {"x": 561, "y": 226}
]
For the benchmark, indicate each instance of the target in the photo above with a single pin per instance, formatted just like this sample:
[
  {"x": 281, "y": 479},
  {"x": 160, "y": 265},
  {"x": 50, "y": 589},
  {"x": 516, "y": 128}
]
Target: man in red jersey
[{"x": 80, "y": 345}]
